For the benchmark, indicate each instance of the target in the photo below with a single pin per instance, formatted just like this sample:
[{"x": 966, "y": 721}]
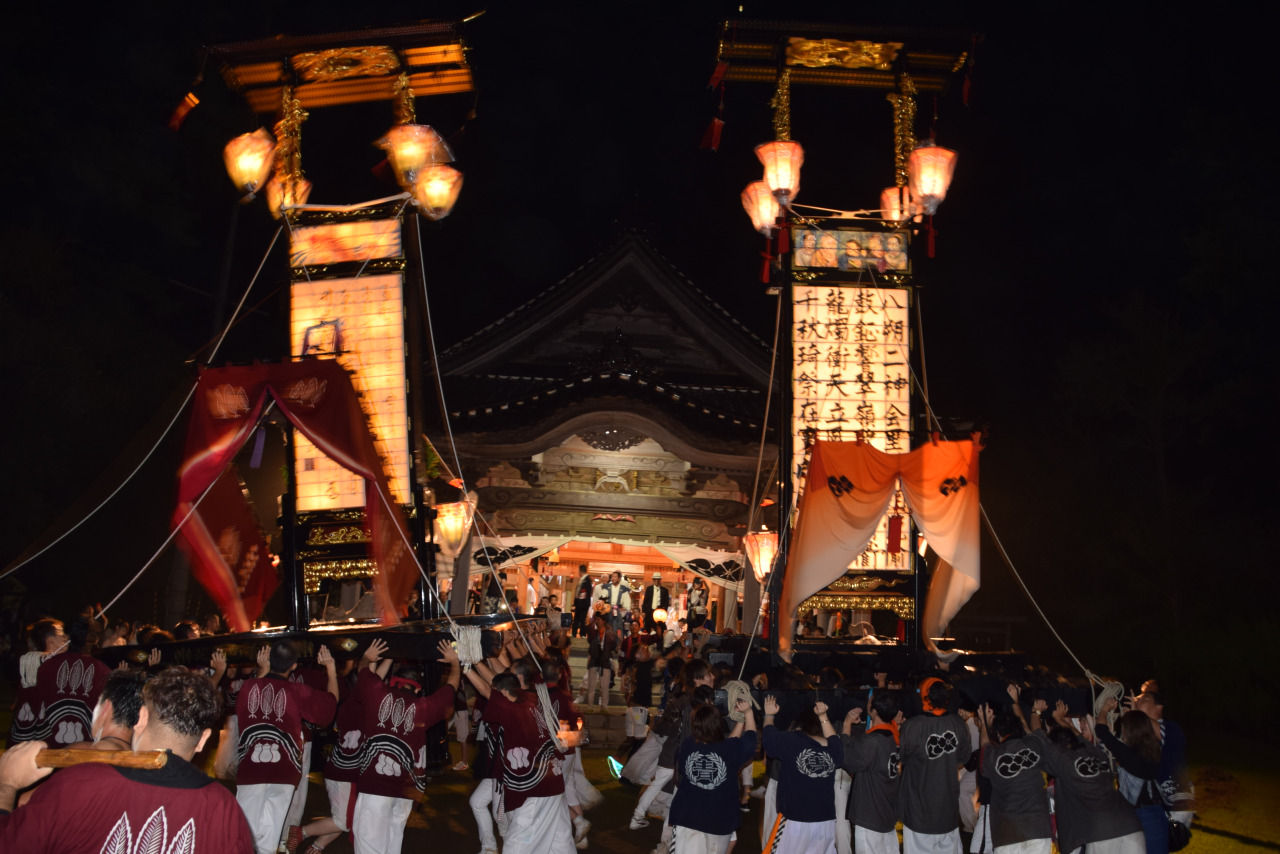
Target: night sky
[{"x": 1098, "y": 297}]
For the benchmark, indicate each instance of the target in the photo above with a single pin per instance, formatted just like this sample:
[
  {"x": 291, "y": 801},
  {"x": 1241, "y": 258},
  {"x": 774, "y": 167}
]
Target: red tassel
[
  {"x": 895, "y": 535},
  {"x": 766, "y": 265},
  {"x": 784, "y": 240},
  {"x": 711, "y": 136},
  {"x": 716, "y": 76},
  {"x": 932, "y": 232},
  {"x": 902, "y": 632},
  {"x": 934, "y": 436}
]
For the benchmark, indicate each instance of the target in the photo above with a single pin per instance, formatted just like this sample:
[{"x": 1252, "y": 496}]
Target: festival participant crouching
[
  {"x": 704, "y": 811},
  {"x": 530, "y": 792},
  {"x": 809, "y": 757},
  {"x": 871, "y": 757},
  {"x": 271, "y": 711},
  {"x": 395, "y": 719}
]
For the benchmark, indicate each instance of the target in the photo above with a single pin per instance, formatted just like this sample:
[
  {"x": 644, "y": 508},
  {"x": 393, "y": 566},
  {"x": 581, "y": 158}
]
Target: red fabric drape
[
  {"x": 318, "y": 399},
  {"x": 228, "y": 554}
]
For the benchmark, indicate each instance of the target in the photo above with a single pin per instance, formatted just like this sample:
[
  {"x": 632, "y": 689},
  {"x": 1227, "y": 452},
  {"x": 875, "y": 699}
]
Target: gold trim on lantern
[
  {"x": 825, "y": 53},
  {"x": 343, "y": 63}
]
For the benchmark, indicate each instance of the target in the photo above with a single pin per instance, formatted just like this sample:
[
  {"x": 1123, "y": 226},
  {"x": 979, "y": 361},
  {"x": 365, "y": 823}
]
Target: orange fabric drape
[{"x": 847, "y": 493}]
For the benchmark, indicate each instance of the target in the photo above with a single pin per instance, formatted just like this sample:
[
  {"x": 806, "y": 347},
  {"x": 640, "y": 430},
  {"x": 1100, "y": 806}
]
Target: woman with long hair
[
  {"x": 674, "y": 727},
  {"x": 1138, "y": 752},
  {"x": 1088, "y": 808}
]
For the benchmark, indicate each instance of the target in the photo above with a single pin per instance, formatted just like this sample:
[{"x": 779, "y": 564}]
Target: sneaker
[
  {"x": 294, "y": 839},
  {"x": 744, "y": 806},
  {"x": 581, "y": 844},
  {"x": 615, "y": 767},
  {"x": 758, "y": 792},
  {"x": 637, "y": 823},
  {"x": 581, "y": 827},
  {"x": 461, "y": 766}
]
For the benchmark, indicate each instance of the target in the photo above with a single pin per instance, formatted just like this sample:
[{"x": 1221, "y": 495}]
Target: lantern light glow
[
  {"x": 437, "y": 190},
  {"x": 782, "y": 160},
  {"x": 895, "y": 204},
  {"x": 453, "y": 524},
  {"x": 759, "y": 203},
  {"x": 411, "y": 149},
  {"x": 930, "y": 168},
  {"x": 761, "y": 548},
  {"x": 248, "y": 160},
  {"x": 660, "y": 615}
]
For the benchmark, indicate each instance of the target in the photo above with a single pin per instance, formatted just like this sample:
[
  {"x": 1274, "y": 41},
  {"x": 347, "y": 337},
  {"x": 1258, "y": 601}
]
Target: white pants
[
  {"x": 642, "y": 764},
  {"x": 339, "y": 803},
  {"x": 265, "y": 806},
  {"x": 1134, "y": 843},
  {"x": 299, "y": 802},
  {"x": 539, "y": 826},
  {"x": 598, "y": 677},
  {"x": 930, "y": 843},
  {"x": 1029, "y": 846},
  {"x": 981, "y": 842},
  {"x": 968, "y": 801},
  {"x": 378, "y": 824},
  {"x": 686, "y": 840},
  {"x": 874, "y": 842},
  {"x": 462, "y": 725},
  {"x": 481, "y": 800},
  {"x": 801, "y": 837},
  {"x": 660, "y": 779},
  {"x": 637, "y": 721},
  {"x": 844, "y": 830},
  {"x": 769, "y": 813}
]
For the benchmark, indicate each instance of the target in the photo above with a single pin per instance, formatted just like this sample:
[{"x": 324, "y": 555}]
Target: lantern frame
[
  {"x": 437, "y": 189},
  {"x": 762, "y": 206},
  {"x": 930, "y": 168},
  {"x": 782, "y": 160},
  {"x": 248, "y": 160},
  {"x": 762, "y": 550}
]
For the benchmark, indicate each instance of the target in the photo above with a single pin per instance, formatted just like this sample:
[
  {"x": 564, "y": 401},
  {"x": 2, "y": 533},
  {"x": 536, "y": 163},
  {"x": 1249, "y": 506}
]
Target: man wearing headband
[
  {"x": 271, "y": 711},
  {"x": 393, "y": 752},
  {"x": 934, "y": 745}
]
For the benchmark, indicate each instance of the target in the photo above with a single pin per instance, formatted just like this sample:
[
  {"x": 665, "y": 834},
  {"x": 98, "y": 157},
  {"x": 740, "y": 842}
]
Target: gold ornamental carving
[
  {"x": 321, "y": 536},
  {"x": 824, "y": 53},
  {"x": 863, "y": 583},
  {"x": 315, "y": 572},
  {"x": 343, "y": 63},
  {"x": 903, "y": 606}
]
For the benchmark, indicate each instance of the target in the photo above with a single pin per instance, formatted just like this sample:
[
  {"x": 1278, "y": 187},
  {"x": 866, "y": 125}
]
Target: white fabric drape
[{"x": 848, "y": 491}]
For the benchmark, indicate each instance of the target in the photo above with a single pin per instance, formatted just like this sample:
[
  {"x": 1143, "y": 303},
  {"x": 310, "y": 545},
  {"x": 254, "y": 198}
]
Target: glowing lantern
[
  {"x": 660, "y": 615},
  {"x": 930, "y": 168},
  {"x": 437, "y": 190},
  {"x": 411, "y": 149},
  {"x": 248, "y": 160},
  {"x": 895, "y": 204},
  {"x": 762, "y": 547},
  {"x": 286, "y": 194},
  {"x": 761, "y": 206},
  {"x": 782, "y": 159},
  {"x": 453, "y": 524}
]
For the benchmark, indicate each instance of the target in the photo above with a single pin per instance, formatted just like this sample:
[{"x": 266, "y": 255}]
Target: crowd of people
[{"x": 871, "y": 769}]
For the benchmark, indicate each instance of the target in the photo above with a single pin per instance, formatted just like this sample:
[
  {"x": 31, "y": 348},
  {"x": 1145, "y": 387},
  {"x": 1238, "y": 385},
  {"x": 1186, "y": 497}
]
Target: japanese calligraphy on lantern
[
  {"x": 850, "y": 378},
  {"x": 360, "y": 322}
]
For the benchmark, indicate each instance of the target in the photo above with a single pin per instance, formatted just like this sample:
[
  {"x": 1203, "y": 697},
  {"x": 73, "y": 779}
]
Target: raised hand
[
  {"x": 264, "y": 660},
  {"x": 854, "y": 716},
  {"x": 377, "y": 647},
  {"x": 770, "y": 705},
  {"x": 325, "y": 658},
  {"x": 153, "y": 658},
  {"x": 447, "y": 652},
  {"x": 819, "y": 708}
]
